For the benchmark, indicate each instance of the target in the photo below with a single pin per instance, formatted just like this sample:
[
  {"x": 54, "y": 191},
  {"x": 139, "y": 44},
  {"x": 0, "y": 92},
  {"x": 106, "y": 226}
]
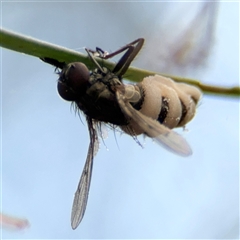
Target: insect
[{"x": 152, "y": 107}]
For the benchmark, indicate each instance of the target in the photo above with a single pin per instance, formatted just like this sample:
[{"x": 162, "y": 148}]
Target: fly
[{"x": 151, "y": 107}]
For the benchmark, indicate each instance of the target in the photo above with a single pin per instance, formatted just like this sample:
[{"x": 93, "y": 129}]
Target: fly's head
[{"x": 73, "y": 81}]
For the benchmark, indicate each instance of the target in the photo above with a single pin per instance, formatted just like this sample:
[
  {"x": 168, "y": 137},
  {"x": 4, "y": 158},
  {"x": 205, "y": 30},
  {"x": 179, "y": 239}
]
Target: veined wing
[
  {"x": 81, "y": 194},
  {"x": 152, "y": 128}
]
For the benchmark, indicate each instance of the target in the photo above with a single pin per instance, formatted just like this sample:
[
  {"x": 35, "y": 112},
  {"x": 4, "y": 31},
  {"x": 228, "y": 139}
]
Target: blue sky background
[{"x": 135, "y": 193}]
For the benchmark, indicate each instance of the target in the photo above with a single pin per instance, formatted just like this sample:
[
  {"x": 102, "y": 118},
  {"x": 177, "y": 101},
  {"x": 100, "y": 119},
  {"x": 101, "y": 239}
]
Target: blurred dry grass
[
  {"x": 13, "y": 223},
  {"x": 185, "y": 40}
]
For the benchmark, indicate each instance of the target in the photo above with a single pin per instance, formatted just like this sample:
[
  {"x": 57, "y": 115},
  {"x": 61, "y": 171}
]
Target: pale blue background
[{"x": 135, "y": 193}]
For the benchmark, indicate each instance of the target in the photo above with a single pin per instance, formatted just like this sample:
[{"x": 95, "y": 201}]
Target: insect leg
[
  {"x": 93, "y": 59},
  {"x": 139, "y": 41},
  {"x": 132, "y": 50},
  {"x": 125, "y": 61},
  {"x": 99, "y": 53}
]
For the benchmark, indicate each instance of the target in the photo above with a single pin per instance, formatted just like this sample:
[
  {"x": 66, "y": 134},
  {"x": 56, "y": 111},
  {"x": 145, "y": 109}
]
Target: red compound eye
[{"x": 73, "y": 81}]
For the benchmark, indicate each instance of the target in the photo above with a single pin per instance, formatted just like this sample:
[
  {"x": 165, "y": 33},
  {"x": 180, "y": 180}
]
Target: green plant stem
[{"x": 41, "y": 49}]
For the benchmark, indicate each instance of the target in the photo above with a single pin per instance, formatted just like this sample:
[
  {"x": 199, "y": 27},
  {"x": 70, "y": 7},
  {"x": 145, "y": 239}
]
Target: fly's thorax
[
  {"x": 103, "y": 84},
  {"x": 105, "y": 76},
  {"x": 97, "y": 74},
  {"x": 99, "y": 100},
  {"x": 99, "y": 90}
]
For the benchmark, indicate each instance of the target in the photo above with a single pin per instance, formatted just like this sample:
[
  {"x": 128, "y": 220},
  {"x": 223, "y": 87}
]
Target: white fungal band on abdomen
[{"x": 170, "y": 103}]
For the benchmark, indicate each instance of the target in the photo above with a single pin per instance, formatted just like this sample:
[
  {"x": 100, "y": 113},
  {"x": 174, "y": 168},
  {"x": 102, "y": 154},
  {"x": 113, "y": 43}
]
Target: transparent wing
[
  {"x": 81, "y": 195},
  {"x": 152, "y": 128}
]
